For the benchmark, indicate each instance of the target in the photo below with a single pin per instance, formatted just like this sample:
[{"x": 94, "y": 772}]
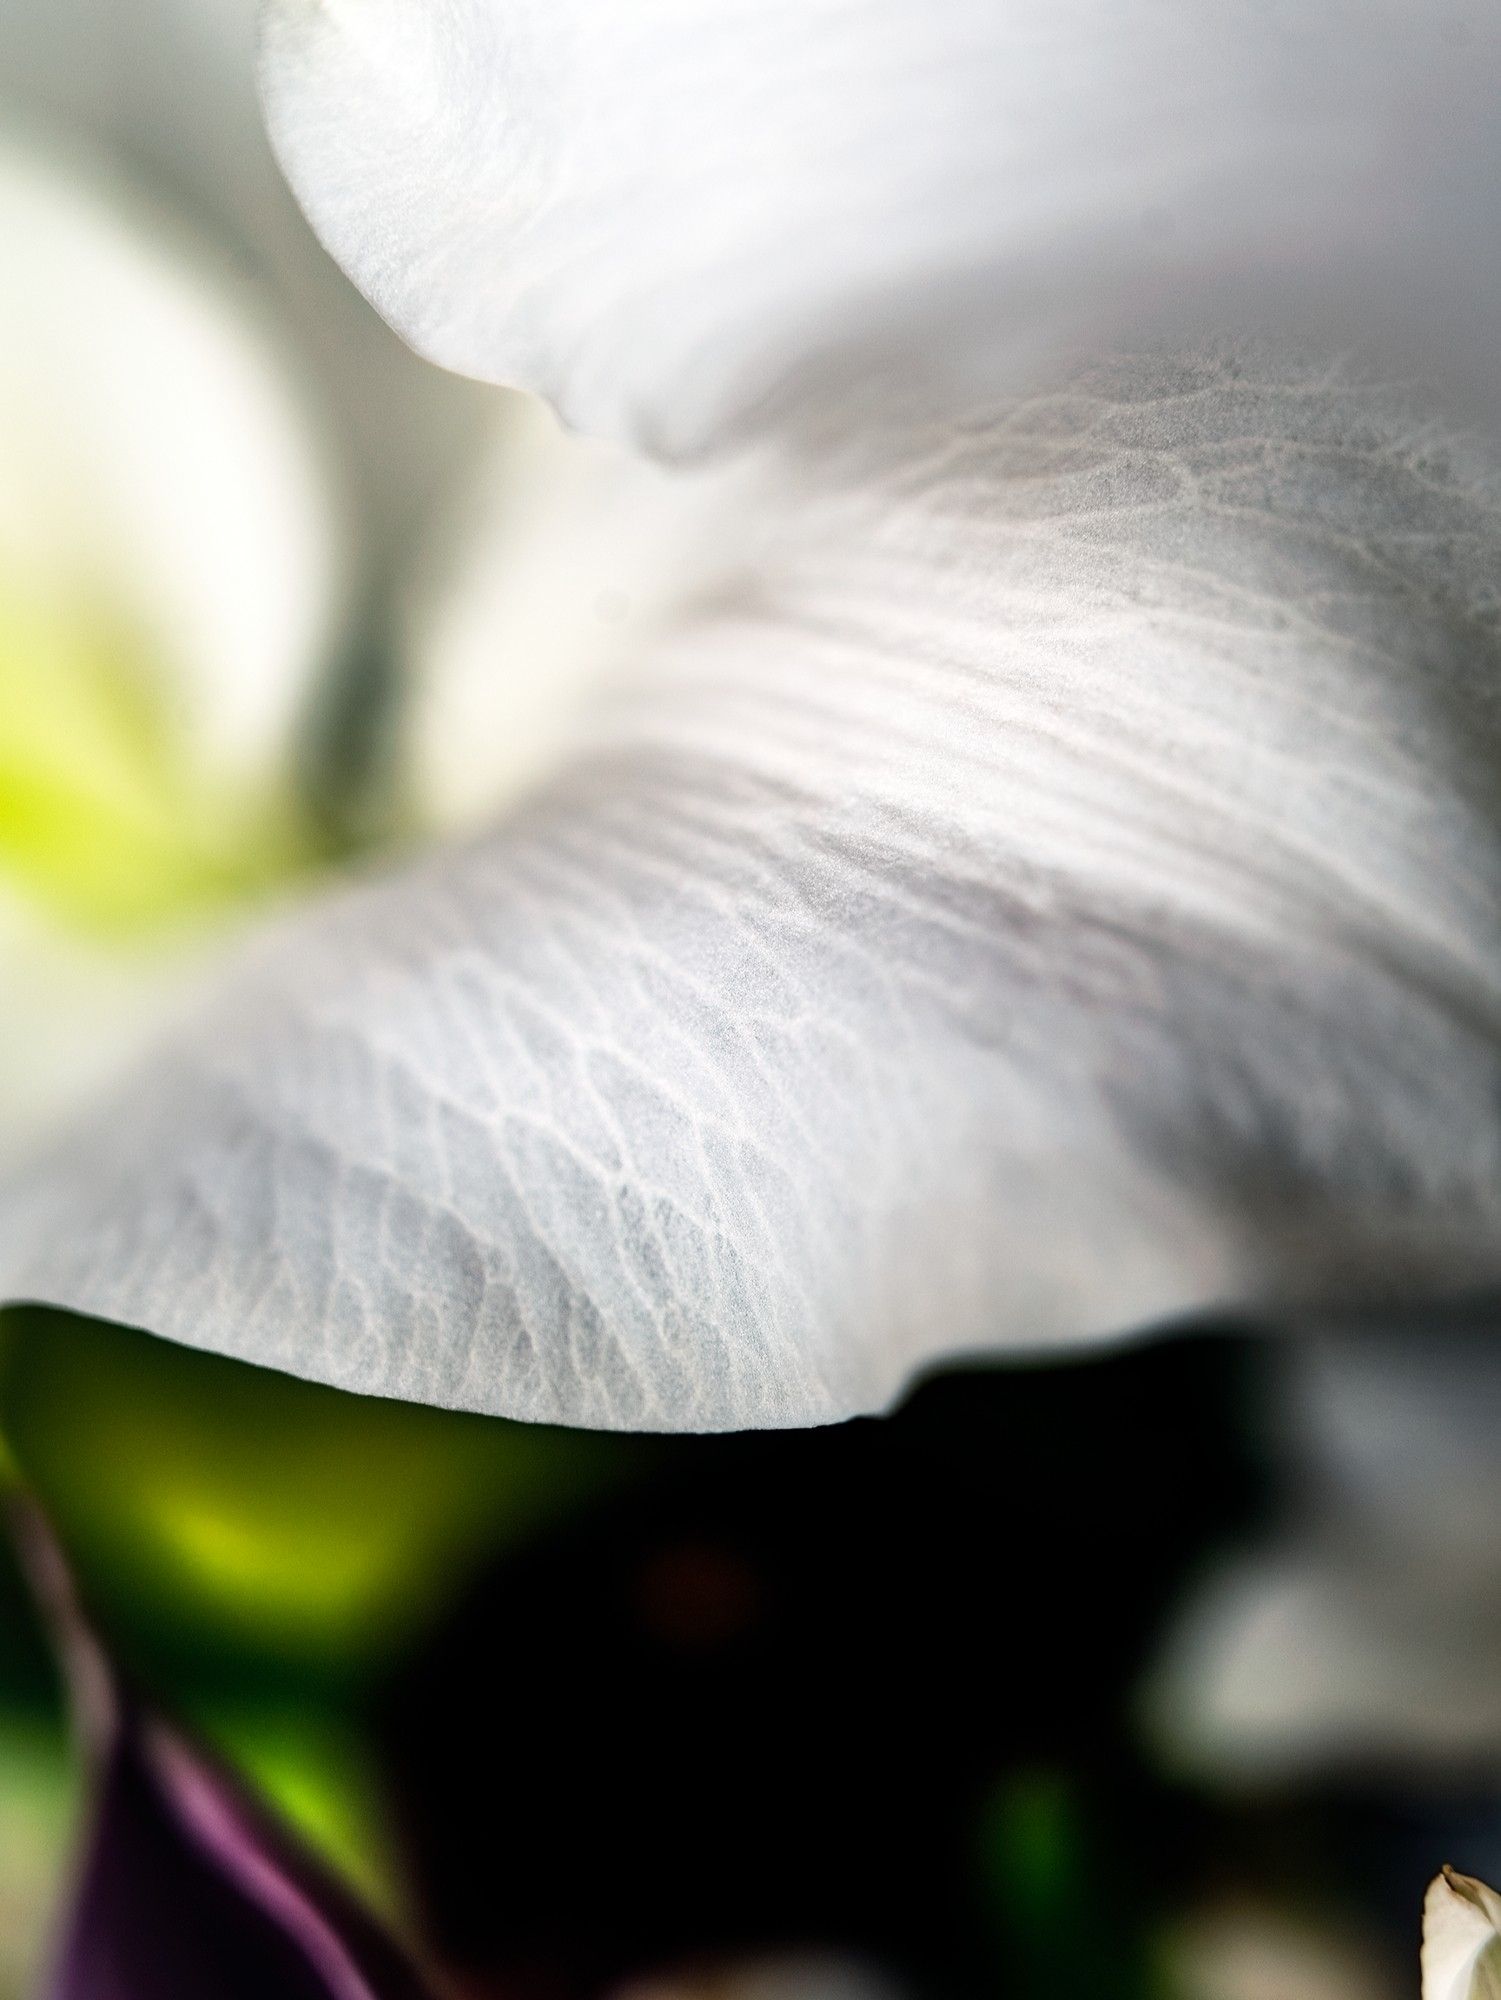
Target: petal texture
[
  {"x": 674, "y": 220},
  {"x": 1049, "y": 885}
]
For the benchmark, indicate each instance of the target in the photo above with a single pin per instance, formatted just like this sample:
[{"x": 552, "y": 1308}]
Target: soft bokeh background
[{"x": 1176, "y": 1673}]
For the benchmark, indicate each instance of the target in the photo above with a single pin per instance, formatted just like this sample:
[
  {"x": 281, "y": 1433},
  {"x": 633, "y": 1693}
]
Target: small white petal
[
  {"x": 1051, "y": 887},
  {"x": 1461, "y": 1939},
  {"x": 672, "y": 218}
]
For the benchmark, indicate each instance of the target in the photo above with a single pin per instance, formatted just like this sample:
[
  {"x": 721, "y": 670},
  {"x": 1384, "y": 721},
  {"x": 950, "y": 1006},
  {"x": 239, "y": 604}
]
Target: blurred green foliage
[
  {"x": 36, "y": 1813},
  {"x": 256, "y": 1549},
  {"x": 1059, "y": 1876},
  {"x": 227, "y": 1520}
]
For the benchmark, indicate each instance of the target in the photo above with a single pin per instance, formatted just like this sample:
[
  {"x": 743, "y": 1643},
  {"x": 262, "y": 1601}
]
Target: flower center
[{"x": 108, "y": 818}]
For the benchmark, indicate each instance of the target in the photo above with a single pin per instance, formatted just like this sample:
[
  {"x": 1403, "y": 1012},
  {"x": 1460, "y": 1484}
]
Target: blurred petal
[
  {"x": 1049, "y": 887},
  {"x": 1461, "y": 1939},
  {"x": 163, "y": 93},
  {"x": 160, "y": 456},
  {"x": 1368, "y": 1629},
  {"x": 169, "y": 574},
  {"x": 1319, "y": 1660},
  {"x": 565, "y": 559},
  {"x": 1252, "y": 1953},
  {"x": 670, "y": 219}
]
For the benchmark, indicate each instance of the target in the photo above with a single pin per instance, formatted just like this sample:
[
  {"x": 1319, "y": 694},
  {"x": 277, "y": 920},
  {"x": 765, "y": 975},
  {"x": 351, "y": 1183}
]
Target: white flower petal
[
  {"x": 565, "y": 559},
  {"x": 1461, "y": 1939},
  {"x": 75, "y": 1011},
  {"x": 159, "y": 461},
  {"x": 1053, "y": 885},
  {"x": 166, "y": 518},
  {"x": 669, "y": 216},
  {"x": 163, "y": 93}
]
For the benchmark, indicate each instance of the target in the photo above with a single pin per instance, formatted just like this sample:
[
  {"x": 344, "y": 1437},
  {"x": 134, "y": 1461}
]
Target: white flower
[{"x": 1044, "y": 879}]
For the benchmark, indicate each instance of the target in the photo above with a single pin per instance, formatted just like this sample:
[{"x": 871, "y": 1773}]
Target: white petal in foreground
[
  {"x": 1053, "y": 884},
  {"x": 1461, "y": 1939},
  {"x": 671, "y": 217}
]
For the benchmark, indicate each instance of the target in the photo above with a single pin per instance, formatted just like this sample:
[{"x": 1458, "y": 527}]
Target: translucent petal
[
  {"x": 1048, "y": 886},
  {"x": 1461, "y": 1939},
  {"x": 681, "y": 222}
]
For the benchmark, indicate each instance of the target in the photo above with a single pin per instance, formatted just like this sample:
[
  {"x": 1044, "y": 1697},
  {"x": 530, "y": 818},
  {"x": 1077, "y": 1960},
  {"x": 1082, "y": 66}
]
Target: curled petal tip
[{"x": 1461, "y": 1938}]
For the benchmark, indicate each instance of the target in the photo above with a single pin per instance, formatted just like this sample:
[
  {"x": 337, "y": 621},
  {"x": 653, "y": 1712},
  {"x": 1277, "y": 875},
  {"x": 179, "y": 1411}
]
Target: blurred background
[{"x": 1171, "y": 1674}]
